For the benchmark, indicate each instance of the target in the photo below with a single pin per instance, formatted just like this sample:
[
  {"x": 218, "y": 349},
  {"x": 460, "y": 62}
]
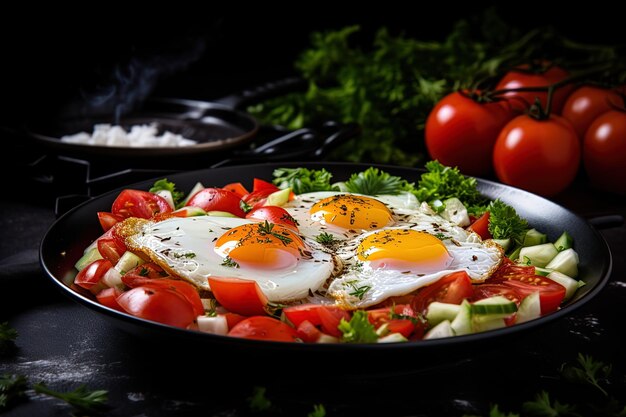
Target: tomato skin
[
  {"x": 147, "y": 270},
  {"x": 452, "y": 288},
  {"x": 108, "y": 220},
  {"x": 299, "y": 313},
  {"x": 89, "y": 277},
  {"x": 308, "y": 332},
  {"x": 585, "y": 104},
  {"x": 273, "y": 214},
  {"x": 108, "y": 297},
  {"x": 137, "y": 203},
  {"x": 111, "y": 248},
  {"x": 158, "y": 304},
  {"x": 328, "y": 317},
  {"x": 551, "y": 294},
  {"x": 604, "y": 151},
  {"x": 259, "y": 184},
  {"x": 241, "y": 296},
  {"x": 186, "y": 290},
  {"x": 216, "y": 199},
  {"x": 237, "y": 188},
  {"x": 521, "y": 77},
  {"x": 462, "y": 132},
  {"x": 491, "y": 290},
  {"x": 232, "y": 319},
  {"x": 264, "y": 328},
  {"x": 541, "y": 156},
  {"x": 481, "y": 226}
]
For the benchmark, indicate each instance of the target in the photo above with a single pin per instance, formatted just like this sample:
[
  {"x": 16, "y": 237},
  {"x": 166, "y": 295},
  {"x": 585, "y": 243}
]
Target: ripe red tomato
[
  {"x": 158, "y": 304},
  {"x": 453, "y": 289},
  {"x": 604, "y": 151},
  {"x": 241, "y": 296},
  {"x": 111, "y": 248},
  {"x": 90, "y": 276},
  {"x": 183, "y": 288},
  {"x": 264, "y": 328},
  {"x": 328, "y": 317},
  {"x": 273, "y": 214},
  {"x": 108, "y": 297},
  {"x": 541, "y": 156},
  {"x": 523, "y": 76},
  {"x": 491, "y": 290},
  {"x": 237, "y": 188},
  {"x": 308, "y": 332},
  {"x": 481, "y": 226},
  {"x": 585, "y": 104},
  {"x": 462, "y": 132},
  {"x": 137, "y": 203},
  {"x": 108, "y": 220},
  {"x": 551, "y": 294},
  {"x": 217, "y": 199}
]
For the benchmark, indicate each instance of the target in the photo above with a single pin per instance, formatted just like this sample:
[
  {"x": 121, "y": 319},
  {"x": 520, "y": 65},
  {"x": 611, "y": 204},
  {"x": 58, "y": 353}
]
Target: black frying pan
[{"x": 64, "y": 242}]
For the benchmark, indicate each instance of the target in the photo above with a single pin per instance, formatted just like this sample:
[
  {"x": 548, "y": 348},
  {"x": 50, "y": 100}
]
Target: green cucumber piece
[
  {"x": 392, "y": 338},
  {"x": 127, "y": 262},
  {"x": 529, "y": 308},
  {"x": 462, "y": 323},
  {"x": 189, "y": 211},
  {"x": 492, "y": 308},
  {"x": 438, "y": 312},
  {"x": 89, "y": 256},
  {"x": 216, "y": 213},
  {"x": 542, "y": 271},
  {"x": 490, "y": 324},
  {"x": 194, "y": 191},
  {"x": 278, "y": 198},
  {"x": 505, "y": 243},
  {"x": 455, "y": 212},
  {"x": 538, "y": 255},
  {"x": 533, "y": 237},
  {"x": 565, "y": 262},
  {"x": 515, "y": 254},
  {"x": 443, "y": 329},
  {"x": 565, "y": 241},
  {"x": 570, "y": 284}
]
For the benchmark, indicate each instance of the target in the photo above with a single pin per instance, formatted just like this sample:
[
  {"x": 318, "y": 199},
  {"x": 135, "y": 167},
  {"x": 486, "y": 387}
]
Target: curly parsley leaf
[
  {"x": 358, "y": 329},
  {"x": 505, "y": 223},
  {"x": 165, "y": 185},
  {"x": 543, "y": 407},
  {"x": 494, "y": 411},
  {"x": 373, "y": 181},
  {"x": 303, "y": 180},
  {"x": 81, "y": 399},
  {"x": 12, "y": 390},
  {"x": 441, "y": 183},
  {"x": 7, "y": 338},
  {"x": 587, "y": 371},
  {"x": 258, "y": 401},
  {"x": 318, "y": 411},
  {"x": 325, "y": 238}
]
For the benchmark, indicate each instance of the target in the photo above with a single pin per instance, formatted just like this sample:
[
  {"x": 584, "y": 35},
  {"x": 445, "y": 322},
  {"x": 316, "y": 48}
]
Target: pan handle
[{"x": 262, "y": 92}]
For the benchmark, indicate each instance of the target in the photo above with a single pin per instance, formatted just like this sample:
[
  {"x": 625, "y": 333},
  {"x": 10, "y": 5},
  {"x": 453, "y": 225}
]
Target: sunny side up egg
[{"x": 389, "y": 245}]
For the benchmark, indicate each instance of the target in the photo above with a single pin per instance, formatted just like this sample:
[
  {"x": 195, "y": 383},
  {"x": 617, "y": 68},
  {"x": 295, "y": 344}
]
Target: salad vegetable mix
[{"x": 374, "y": 259}]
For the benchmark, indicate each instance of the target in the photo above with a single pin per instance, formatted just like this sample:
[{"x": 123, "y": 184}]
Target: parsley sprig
[
  {"x": 267, "y": 228},
  {"x": 325, "y": 238},
  {"x": 12, "y": 390},
  {"x": 358, "y": 329},
  {"x": 7, "y": 338},
  {"x": 373, "y": 181},
  {"x": 164, "y": 184},
  {"x": 81, "y": 399},
  {"x": 303, "y": 180}
]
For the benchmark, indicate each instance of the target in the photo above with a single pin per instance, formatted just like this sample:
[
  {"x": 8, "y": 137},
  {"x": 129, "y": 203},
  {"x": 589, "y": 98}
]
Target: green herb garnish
[
  {"x": 229, "y": 262},
  {"x": 7, "y": 337},
  {"x": 266, "y": 228},
  {"x": 543, "y": 406},
  {"x": 358, "y": 329},
  {"x": 165, "y": 185},
  {"x": 360, "y": 290},
  {"x": 12, "y": 390},
  {"x": 258, "y": 401},
  {"x": 302, "y": 180},
  {"x": 318, "y": 411},
  {"x": 83, "y": 400},
  {"x": 505, "y": 223},
  {"x": 373, "y": 181},
  {"x": 325, "y": 238}
]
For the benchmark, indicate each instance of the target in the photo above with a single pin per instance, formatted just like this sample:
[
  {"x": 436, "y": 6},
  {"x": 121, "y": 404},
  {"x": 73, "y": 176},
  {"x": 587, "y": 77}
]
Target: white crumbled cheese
[{"x": 140, "y": 136}]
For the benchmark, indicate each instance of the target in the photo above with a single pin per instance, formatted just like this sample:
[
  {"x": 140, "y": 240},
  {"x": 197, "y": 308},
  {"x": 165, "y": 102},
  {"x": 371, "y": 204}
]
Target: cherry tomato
[
  {"x": 216, "y": 199},
  {"x": 523, "y": 76},
  {"x": 264, "y": 328},
  {"x": 183, "y": 288},
  {"x": 108, "y": 220},
  {"x": 108, "y": 297},
  {"x": 158, "y": 304},
  {"x": 452, "y": 288},
  {"x": 89, "y": 277},
  {"x": 481, "y": 226},
  {"x": 241, "y": 296},
  {"x": 237, "y": 188},
  {"x": 137, "y": 203},
  {"x": 604, "y": 151},
  {"x": 585, "y": 104},
  {"x": 380, "y": 316},
  {"x": 541, "y": 156},
  {"x": 462, "y": 132},
  {"x": 273, "y": 214},
  {"x": 232, "y": 319}
]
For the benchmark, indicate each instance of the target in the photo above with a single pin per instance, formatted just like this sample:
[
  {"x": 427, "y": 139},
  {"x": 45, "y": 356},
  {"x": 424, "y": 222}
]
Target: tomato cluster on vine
[{"x": 533, "y": 131}]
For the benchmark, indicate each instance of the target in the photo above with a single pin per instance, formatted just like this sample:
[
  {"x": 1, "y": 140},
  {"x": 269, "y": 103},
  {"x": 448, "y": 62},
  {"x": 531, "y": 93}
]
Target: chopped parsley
[
  {"x": 373, "y": 181},
  {"x": 267, "y": 228},
  {"x": 229, "y": 262},
  {"x": 302, "y": 180},
  {"x": 359, "y": 291},
  {"x": 325, "y": 238},
  {"x": 358, "y": 329},
  {"x": 188, "y": 255},
  {"x": 505, "y": 223},
  {"x": 441, "y": 236},
  {"x": 165, "y": 185},
  {"x": 258, "y": 401}
]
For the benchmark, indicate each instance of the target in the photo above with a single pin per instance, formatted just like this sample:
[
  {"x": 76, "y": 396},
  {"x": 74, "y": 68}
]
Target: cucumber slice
[
  {"x": 112, "y": 278},
  {"x": 189, "y": 212},
  {"x": 214, "y": 325},
  {"x": 570, "y": 284},
  {"x": 462, "y": 323},
  {"x": 443, "y": 329},
  {"x": 529, "y": 308},
  {"x": 538, "y": 255},
  {"x": 492, "y": 308},
  {"x": 127, "y": 262},
  {"x": 393, "y": 338},
  {"x": 194, "y": 191},
  {"x": 438, "y": 312},
  {"x": 216, "y": 213},
  {"x": 383, "y": 330},
  {"x": 533, "y": 237},
  {"x": 326, "y": 338},
  {"x": 278, "y": 198},
  {"x": 505, "y": 243},
  {"x": 565, "y": 262},
  {"x": 167, "y": 196},
  {"x": 515, "y": 254},
  {"x": 89, "y": 256},
  {"x": 542, "y": 271},
  {"x": 455, "y": 212},
  {"x": 485, "y": 325},
  {"x": 565, "y": 241}
]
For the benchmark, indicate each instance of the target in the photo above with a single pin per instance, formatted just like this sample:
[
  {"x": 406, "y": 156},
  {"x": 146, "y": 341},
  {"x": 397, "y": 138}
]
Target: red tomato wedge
[
  {"x": 273, "y": 214},
  {"x": 308, "y": 332},
  {"x": 217, "y": 199},
  {"x": 328, "y": 317},
  {"x": 90, "y": 276},
  {"x": 551, "y": 294},
  {"x": 147, "y": 270},
  {"x": 481, "y": 226},
  {"x": 491, "y": 290},
  {"x": 108, "y": 297},
  {"x": 183, "y": 288},
  {"x": 111, "y": 248},
  {"x": 137, "y": 203},
  {"x": 452, "y": 289},
  {"x": 158, "y": 304},
  {"x": 241, "y": 296},
  {"x": 260, "y": 184},
  {"x": 108, "y": 220},
  {"x": 264, "y": 328},
  {"x": 237, "y": 188}
]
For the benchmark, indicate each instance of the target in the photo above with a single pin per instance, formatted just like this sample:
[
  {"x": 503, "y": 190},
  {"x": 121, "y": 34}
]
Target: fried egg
[{"x": 194, "y": 248}]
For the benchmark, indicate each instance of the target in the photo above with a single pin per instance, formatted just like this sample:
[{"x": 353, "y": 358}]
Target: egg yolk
[
  {"x": 404, "y": 250},
  {"x": 261, "y": 245},
  {"x": 351, "y": 212}
]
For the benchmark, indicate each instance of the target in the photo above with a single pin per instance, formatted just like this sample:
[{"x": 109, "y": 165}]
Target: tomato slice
[
  {"x": 232, "y": 319},
  {"x": 491, "y": 290},
  {"x": 108, "y": 220},
  {"x": 137, "y": 203},
  {"x": 273, "y": 214},
  {"x": 89, "y": 277},
  {"x": 111, "y": 248},
  {"x": 308, "y": 332},
  {"x": 183, "y": 288},
  {"x": 241, "y": 296},
  {"x": 147, "y": 270},
  {"x": 330, "y": 317},
  {"x": 108, "y": 297},
  {"x": 257, "y": 199},
  {"x": 452, "y": 288},
  {"x": 217, "y": 199},
  {"x": 158, "y": 304},
  {"x": 481, "y": 226},
  {"x": 551, "y": 294},
  {"x": 259, "y": 184},
  {"x": 264, "y": 328},
  {"x": 509, "y": 269},
  {"x": 237, "y": 188},
  {"x": 403, "y": 326}
]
